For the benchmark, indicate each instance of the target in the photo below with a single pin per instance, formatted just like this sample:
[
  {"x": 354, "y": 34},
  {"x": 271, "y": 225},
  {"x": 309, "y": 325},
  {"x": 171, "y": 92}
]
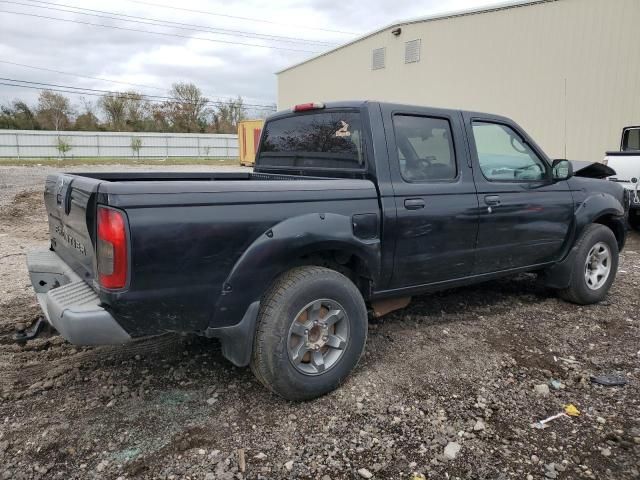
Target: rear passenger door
[
  {"x": 524, "y": 216},
  {"x": 435, "y": 197}
]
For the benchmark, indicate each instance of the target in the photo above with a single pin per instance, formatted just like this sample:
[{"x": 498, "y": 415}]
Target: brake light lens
[
  {"x": 303, "y": 107},
  {"x": 112, "y": 248}
]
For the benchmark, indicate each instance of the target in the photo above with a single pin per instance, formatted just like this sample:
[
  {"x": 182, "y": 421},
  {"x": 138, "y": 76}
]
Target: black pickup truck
[{"x": 351, "y": 209}]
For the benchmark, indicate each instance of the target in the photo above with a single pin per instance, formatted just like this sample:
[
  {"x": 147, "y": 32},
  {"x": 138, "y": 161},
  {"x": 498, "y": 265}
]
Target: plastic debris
[
  {"x": 609, "y": 380},
  {"x": 570, "y": 360},
  {"x": 543, "y": 423},
  {"x": 570, "y": 410},
  {"x": 556, "y": 384}
]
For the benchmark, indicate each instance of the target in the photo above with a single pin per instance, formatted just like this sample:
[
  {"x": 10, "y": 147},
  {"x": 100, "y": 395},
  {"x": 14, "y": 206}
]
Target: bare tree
[
  {"x": 125, "y": 110},
  {"x": 87, "y": 120},
  {"x": 187, "y": 108},
  {"x": 53, "y": 110},
  {"x": 114, "y": 106},
  {"x": 228, "y": 115},
  {"x": 136, "y": 111},
  {"x": 160, "y": 114}
]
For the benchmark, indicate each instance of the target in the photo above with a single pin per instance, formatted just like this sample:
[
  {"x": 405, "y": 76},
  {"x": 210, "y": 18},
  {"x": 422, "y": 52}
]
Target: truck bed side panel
[{"x": 184, "y": 245}]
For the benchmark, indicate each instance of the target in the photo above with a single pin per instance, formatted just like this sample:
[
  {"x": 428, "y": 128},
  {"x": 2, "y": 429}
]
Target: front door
[
  {"x": 435, "y": 196},
  {"x": 524, "y": 215}
]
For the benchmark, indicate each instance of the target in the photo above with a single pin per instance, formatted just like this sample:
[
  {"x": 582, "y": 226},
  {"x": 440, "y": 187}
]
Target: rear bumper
[{"x": 69, "y": 304}]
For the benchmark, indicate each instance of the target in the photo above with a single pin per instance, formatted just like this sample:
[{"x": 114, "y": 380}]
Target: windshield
[{"x": 325, "y": 140}]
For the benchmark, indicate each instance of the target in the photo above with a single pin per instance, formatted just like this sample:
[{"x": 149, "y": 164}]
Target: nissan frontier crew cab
[{"x": 352, "y": 206}]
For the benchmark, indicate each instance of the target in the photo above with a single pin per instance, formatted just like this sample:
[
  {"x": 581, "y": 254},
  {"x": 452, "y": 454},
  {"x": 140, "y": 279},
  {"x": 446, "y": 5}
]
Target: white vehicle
[{"x": 626, "y": 163}]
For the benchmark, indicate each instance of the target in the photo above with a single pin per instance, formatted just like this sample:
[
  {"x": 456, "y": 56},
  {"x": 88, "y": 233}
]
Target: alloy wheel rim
[
  {"x": 597, "y": 267},
  {"x": 318, "y": 337}
]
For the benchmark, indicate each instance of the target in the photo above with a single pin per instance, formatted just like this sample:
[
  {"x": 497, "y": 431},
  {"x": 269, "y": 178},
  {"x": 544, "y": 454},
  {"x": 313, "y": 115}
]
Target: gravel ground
[{"x": 449, "y": 388}]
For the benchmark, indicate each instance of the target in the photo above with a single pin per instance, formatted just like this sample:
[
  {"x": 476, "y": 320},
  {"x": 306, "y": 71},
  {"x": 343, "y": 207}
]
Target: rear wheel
[
  {"x": 312, "y": 329},
  {"x": 594, "y": 266}
]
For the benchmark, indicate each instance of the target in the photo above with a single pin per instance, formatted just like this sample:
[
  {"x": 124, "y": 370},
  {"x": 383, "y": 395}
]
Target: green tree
[
  {"x": 18, "y": 116},
  {"x": 136, "y": 145},
  {"x": 63, "y": 145}
]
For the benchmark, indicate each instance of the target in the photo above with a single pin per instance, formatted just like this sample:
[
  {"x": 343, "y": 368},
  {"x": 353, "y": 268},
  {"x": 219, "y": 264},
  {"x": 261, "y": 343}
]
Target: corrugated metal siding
[
  {"x": 39, "y": 143},
  {"x": 568, "y": 71}
]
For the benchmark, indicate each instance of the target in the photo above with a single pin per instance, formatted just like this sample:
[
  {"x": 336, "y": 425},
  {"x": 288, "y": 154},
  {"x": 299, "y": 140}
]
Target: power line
[
  {"x": 81, "y": 76},
  {"x": 167, "y": 23},
  {"x": 157, "y": 33},
  {"x": 130, "y": 94},
  {"x": 85, "y": 76},
  {"x": 134, "y": 95},
  {"x": 306, "y": 27},
  {"x": 100, "y": 93}
]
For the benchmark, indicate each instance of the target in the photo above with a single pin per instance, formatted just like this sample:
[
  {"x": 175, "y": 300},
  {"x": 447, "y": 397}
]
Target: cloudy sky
[{"x": 228, "y": 48}]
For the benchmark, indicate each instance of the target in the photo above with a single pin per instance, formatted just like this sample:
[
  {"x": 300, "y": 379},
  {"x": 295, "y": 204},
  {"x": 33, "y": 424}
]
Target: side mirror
[{"x": 561, "y": 169}]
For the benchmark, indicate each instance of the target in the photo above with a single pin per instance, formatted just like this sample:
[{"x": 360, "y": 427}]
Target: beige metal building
[{"x": 567, "y": 70}]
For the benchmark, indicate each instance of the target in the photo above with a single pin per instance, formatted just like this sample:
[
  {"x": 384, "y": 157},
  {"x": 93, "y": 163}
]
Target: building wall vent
[
  {"x": 378, "y": 58},
  {"x": 412, "y": 51}
]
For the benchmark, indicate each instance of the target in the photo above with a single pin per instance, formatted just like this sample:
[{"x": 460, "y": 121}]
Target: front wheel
[
  {"x": 312, "y": 329},
  {"x": 595, "y": 264}
]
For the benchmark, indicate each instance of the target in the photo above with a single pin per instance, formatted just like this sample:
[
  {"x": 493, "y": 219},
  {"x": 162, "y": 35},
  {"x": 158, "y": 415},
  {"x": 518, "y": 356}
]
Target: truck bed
[{"x": 186, "y": 231}]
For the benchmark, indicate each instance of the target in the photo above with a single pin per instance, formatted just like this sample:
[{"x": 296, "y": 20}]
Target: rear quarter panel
[{"x": 187, "y": 236}]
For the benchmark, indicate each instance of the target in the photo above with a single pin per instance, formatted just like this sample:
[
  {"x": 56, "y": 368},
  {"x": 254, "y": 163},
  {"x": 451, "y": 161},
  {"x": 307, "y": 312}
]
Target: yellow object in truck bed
[{"x": 248, "y": 139}]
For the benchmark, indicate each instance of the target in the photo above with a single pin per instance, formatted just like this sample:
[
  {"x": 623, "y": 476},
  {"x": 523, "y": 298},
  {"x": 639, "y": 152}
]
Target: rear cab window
[
  {"x": 631, "y": 140},
  {"x": 322, "y": 140}
]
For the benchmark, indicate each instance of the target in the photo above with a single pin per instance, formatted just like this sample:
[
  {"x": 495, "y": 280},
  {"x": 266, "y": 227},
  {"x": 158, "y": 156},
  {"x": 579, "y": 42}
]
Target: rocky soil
[{"x": 449, "y": 388}]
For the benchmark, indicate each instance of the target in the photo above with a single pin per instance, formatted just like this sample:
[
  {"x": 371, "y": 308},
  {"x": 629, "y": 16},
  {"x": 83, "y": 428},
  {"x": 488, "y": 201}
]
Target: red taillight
[
  {"x": 112, "y": 248},
  {"x": 303, "y": 107}
]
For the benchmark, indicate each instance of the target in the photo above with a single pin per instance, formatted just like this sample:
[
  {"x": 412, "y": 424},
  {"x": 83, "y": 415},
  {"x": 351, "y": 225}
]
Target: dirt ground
[{"x": 463, "y": 368}]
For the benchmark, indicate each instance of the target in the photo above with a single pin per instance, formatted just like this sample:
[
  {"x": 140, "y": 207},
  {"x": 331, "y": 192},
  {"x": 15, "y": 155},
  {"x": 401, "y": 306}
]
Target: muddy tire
[
  {"x": 311, "y": 332},
  {"x": 595, "y": 264}
]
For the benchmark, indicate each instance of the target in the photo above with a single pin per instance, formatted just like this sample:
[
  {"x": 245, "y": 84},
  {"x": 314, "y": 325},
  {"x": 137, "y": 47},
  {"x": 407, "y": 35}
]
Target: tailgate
[{"x": 70, "y": 202}]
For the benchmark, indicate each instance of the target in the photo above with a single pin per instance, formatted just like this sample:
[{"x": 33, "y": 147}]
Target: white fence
[{"x": 49, "y": 144}]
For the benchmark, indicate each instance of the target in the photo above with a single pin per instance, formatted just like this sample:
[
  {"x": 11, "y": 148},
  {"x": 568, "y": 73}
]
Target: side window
[
  {"x": 503, "y": 156},
  {"x": 425, "y": 148}
]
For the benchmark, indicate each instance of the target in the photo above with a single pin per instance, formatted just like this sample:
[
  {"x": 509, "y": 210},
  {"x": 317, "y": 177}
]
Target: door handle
[
  {"x": 414, "y": 203},
  {"x": 492, "y": 200}
]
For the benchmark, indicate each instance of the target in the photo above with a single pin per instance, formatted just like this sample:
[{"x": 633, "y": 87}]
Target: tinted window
[
  {"x": 504, "y": 156},
  {"x": 631, "y": 139},
  {"x": 316, "y": 140},
  {"x": 425, "y": 148}
]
